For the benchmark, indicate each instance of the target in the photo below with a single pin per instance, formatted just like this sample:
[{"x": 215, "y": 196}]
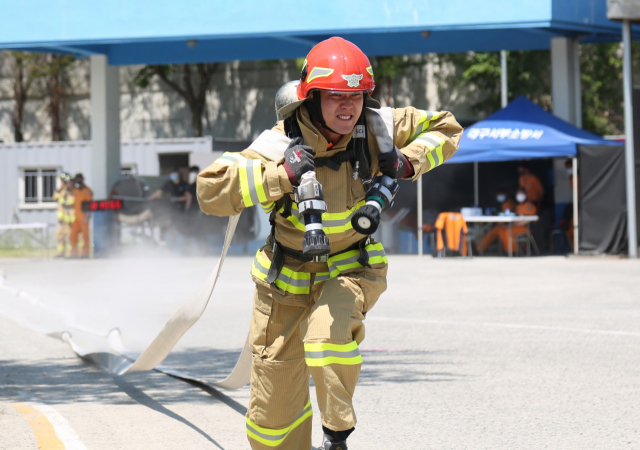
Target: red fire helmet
[{"x": 336, "y": 65}]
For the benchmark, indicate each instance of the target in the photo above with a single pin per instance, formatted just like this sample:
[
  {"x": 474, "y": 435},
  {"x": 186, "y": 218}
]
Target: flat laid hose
[{"x": 120, "y": 361}]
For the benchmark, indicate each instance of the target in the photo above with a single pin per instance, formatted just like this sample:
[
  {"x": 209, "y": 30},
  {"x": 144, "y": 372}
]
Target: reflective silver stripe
[
  {"x": 277, "y": 437},
  {"x": 320, "y": 278},
  {"x": 328, "y": 353},
  {"x": 252, "y": 184},
  {"x": 231, "y": 159},
  {"x": 336, "y": 222},
  {"x": 294, "y": 281},
  {"x": 353, "y": 259},
  {"x": 348, "y": 260},
  {"x": 260, "y": 267},
  {"x": 421, "y": 125}
]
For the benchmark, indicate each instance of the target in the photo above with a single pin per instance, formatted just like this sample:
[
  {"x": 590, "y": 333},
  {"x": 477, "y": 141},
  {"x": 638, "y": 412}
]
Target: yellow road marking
[{"x": 46, "y": 436}]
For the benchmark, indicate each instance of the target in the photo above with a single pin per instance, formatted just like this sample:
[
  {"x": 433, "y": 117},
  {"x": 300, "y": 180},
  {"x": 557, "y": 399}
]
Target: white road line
[
  {"x": 506, "y": 325},
  {"x": 63, "y": 430}
]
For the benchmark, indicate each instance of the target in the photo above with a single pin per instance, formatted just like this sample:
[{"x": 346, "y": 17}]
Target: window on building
[
  {"x": 38, "y": 185},
  {"x": 31, "y": 186},
  {"x": 49, "y": 184}
]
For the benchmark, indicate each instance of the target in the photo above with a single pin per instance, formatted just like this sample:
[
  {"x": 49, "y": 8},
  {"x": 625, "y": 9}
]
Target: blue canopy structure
[{"x": 522, "y": 130}]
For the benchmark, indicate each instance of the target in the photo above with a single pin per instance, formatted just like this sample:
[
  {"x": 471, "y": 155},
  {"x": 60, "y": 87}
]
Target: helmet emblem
[{"x": 353, "y": 80}]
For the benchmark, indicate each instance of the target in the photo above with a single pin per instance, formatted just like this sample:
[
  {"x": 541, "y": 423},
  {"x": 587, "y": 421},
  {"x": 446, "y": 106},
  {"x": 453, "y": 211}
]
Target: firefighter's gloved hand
[
  {"x": 394, "y": 164},
  {"x": 298, "y": 160}
]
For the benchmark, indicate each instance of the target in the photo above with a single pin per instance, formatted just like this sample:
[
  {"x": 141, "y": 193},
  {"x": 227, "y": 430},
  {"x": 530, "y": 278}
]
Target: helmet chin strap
[{"x": 315, "y": 111}]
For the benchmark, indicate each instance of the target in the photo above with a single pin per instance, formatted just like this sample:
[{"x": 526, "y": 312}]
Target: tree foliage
[
  {"x": 528, "y": 73},
  {"x": 190, "y": 81},
  {"x": 54, "y": 72},
  {"x": 47, "y": 74},
  {"x": 385, "y": 69}
]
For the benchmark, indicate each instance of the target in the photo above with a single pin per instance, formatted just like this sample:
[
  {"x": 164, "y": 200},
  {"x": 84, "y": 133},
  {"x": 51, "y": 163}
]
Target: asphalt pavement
[{"x": 482, "y": 353}]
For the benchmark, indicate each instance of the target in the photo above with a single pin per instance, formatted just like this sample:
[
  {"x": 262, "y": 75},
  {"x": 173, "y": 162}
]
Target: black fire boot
[{"x": 334, "y": 440}]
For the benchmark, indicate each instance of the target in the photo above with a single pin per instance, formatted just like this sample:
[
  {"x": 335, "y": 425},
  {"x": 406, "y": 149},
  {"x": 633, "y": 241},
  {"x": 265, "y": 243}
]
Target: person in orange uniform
[
  {"x": 507, "y": 206},
  {"x": 81, "y": 222},
  {"x": 523, "y": 208},
  {"x": 531, "y": 184}
]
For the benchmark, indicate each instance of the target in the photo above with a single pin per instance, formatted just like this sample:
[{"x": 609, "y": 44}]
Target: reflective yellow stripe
[
  {"x": 423, "y": 123},
  {"x": 273, "y": 438},
  {"x": 332, "y": 223},
  {"x": 349, "y": 260},
  {"x": 300, "y": 282},
  {"x": 250, "y": 171},
  {"x": 257, "y": 180},
  {"x": 370, "y": 70},
  {"x": 268, "y": 207},
  {"x": 288, "y": 280},
  {"x": 323, "y": 354},
  {"x": 229, "y": 159},
  {"x": 434, "y": 146}
]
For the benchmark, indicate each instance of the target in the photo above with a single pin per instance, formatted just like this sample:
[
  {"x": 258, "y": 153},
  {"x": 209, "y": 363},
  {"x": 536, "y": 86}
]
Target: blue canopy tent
[{"x": 523, "y": 130}]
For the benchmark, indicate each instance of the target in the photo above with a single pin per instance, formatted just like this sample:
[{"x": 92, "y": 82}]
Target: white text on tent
[{"x": 504, "y": 133}]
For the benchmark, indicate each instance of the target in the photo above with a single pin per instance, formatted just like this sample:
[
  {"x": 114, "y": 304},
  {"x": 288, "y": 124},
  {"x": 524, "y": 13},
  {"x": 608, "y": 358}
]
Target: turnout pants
[
  {"x": 80, "y": 226},
  {"x": 63, "y": 233},
  {"x": 297, "y": 335}
]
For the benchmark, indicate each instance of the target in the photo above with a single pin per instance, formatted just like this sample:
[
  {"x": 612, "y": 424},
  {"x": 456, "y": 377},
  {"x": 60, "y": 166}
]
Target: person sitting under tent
[
  {"x": 523, "y": 208},
  {"x": 531, "y": 184}
]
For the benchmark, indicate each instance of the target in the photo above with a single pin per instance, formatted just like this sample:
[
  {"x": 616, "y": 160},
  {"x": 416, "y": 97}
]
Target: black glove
[
  {"x": 298, "y": 160},
  {"x": 394, "y": 164}
]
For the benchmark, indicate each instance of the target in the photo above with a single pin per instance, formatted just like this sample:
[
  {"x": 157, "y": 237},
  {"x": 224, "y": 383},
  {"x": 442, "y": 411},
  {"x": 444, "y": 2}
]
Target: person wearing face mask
[
  {"x": 176, "y": 189},
  {"x": 531, "y": 184},
  {"x": 507, "y": 205},
  {"x": 523, "y": 208}
]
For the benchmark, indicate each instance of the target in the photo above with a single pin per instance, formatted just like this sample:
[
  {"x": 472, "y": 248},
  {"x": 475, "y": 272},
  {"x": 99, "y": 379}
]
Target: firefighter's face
[{"x": 341, "y": 111}]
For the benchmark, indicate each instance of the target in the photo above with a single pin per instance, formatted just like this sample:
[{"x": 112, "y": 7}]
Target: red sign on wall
[{"x": 102, "y": 205}]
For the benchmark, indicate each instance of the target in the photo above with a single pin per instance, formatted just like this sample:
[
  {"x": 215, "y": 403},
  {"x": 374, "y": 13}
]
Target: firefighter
[
  {"x": 309, "y": 320},
  {"x": 81, "y": 220},
  {"x": 64, "y": 197}
]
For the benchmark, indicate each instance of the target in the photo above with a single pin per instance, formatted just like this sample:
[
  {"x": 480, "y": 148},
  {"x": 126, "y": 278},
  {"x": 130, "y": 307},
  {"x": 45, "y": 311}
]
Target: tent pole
[
  {"x": 476, "y": 186},
  {"x": 420, "y": 239},
  {"x": 503, "y": 78},
  {"x": 576, "y": 236},
  {"x": 628, "y": 131}
]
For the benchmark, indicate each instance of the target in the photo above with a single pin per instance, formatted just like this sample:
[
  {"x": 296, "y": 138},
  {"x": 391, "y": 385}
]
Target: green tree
[
  {"x": 528, "y": 73},
  {"x": 190, "y": 81},
  {"x": 23, "y": 67},
  {"x": 54, "y": 69},
  {"x": 601, "y": 79}
]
